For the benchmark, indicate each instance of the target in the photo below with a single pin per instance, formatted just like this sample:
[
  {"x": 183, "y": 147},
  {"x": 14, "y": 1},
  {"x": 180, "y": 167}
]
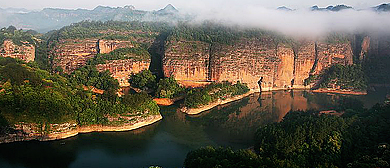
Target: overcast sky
[{"x": 182, "y": 4}]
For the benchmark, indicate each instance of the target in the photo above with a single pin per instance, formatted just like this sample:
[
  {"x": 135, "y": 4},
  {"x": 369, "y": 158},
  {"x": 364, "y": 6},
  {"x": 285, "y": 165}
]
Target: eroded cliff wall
[
  {"x": 71, "y": 54},
  {"x": 106, "y": 46},
  {"x": 122, "y": 69},
  {"x": 74, "y": 53},
  {"x": 281, "y": 65},
  {"x": 25, "y": 52},
  {"x": 187, "y": 60}
]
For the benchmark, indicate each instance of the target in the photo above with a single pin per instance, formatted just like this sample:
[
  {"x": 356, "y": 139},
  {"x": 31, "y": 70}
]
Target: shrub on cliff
[
  {"x": 168, "y": 88},
  {"x": 108, "y": 30}
]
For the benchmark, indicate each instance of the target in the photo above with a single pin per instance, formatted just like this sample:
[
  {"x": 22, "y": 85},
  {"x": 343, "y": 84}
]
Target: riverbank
[
  {"x": 345, "y": 92},
  {"x": 23, "y": 136},
  {"x": 194, "y": 111}
]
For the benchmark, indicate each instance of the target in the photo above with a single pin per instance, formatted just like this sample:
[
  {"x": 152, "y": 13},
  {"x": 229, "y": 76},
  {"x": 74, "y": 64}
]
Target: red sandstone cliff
[
  {"x": 72, "y": 54},
  {"x": 192, "y": 64},
  {"x": 122, "y": 69},
  {"x": 247, "y": 60},
  {"x": 25, "y": 52}
]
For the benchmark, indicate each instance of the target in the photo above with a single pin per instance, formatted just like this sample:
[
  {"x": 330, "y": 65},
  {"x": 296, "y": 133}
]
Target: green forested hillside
[{"x": 29, "y": 94}]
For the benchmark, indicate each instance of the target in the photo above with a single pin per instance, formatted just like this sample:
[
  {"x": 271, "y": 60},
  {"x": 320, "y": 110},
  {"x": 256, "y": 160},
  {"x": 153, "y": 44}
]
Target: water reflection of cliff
[{"x": 238, "y": 121}]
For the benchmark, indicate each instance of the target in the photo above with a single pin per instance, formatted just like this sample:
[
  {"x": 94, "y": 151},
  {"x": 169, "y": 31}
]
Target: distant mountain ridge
[
  {"x": 55, "y": 18},
  {"x": 331, "y": 8},
  {"x": 383, "y": 7}
]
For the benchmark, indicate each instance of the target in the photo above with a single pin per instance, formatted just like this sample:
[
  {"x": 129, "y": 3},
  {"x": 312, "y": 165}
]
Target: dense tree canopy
[
  {"x": 17, "y": 36},
  {"x": 90, "y": 76},
  {"x": 210, "y": 157},
  {"x": 358, "y": 138},
  {"x": 168, "y": 88},
  {"x": 144, "y": 80},
  {"x": 31, "y": 95},
  {"x": 346, "y": 77},
  {"x": 108, "y": 30},
  {"x": 210, "y": 93}
]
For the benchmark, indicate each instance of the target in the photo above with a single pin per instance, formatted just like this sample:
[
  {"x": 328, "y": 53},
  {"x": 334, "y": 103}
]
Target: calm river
[{"x": 167, "y": 142}]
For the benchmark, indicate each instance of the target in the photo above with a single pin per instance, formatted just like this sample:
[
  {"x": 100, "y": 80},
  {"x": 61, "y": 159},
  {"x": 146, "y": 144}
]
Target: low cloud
[{"x": 303, "y": 22}]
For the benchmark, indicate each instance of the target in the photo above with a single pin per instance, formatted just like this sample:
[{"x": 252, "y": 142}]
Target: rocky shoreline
[{"x": 22, "y": 136}]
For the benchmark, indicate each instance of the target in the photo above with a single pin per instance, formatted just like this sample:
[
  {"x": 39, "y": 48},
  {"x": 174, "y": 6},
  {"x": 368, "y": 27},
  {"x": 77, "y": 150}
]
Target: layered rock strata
[
  {"x": 25, "y": 52},
  {"x": 281, "y": 66},
  {"x": 71, "y": 54},
  {"x": 122, "y": 69}
]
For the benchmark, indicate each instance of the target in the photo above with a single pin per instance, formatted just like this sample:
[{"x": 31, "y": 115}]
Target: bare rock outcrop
[
  {"x": 122, "y": 69},
  {"x": 25, "y": 52}
]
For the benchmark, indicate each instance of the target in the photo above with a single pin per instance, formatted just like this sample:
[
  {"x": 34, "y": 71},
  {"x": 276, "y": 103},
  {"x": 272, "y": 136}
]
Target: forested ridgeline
[
  {"x": 108, "y": 30},
  {"x": 358, "y": 138}
]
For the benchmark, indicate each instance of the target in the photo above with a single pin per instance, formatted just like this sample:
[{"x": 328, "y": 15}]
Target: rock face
[
  {"x": 73, "y": 53},
  {"x": 378, "y": 46},
  {"x": 122, "y": 69},
  {"x": 365, "y": 46},
  {"x": 106, "y": 46},
  {"x": 25, "y": 52},
  {"x": 191, "y": 65},
  {"x": 282, "y": 66},
  {"x": 328, "y": 54},
  {"x": 305, "y": 59}
]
